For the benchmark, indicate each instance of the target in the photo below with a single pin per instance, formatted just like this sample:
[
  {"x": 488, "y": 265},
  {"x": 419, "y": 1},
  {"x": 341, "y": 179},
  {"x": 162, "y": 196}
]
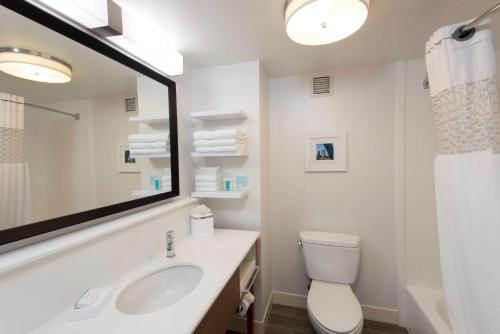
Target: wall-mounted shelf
[
  {"x": 227, "y": 154},
  {"x": 150, "y": 156},
  {"x": 149, "y": 119},
  {"x": 148, "y": 192},
  {"x": 214, "y": 115},
  {"x": 221, "y": 194}
]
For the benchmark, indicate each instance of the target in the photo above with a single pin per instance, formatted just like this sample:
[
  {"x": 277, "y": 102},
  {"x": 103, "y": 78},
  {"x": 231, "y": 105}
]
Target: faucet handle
[{"x": 170, "y": 243}]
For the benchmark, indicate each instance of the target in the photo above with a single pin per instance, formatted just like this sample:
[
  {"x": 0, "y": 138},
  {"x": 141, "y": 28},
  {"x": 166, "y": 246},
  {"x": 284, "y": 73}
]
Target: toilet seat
[{"x": 334, "y": 308}]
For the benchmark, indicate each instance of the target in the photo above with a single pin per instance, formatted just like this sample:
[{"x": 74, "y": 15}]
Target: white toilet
[{"x": 332, "y": 262}]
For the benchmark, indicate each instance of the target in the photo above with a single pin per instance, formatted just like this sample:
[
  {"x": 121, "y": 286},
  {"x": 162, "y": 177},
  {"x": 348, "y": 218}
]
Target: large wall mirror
[{"x": 86, "y": 132}]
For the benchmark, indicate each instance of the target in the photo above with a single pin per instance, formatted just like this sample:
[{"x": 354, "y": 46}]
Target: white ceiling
[{"x": 216, "y": 32}]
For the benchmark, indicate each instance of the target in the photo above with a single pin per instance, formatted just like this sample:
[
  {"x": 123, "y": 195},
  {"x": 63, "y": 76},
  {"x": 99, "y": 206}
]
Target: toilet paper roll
[{"x": 245, "y": 304}]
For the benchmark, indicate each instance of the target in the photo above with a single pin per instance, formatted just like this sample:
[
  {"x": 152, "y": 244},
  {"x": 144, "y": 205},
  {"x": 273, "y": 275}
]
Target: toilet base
[{"x": 322, "y": 330}]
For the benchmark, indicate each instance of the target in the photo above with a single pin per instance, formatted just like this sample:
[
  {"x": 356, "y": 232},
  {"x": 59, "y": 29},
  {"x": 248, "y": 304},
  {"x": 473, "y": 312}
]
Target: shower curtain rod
[
  {"x": 467, "y": 31},
  {"x": 75, "y": 116}
]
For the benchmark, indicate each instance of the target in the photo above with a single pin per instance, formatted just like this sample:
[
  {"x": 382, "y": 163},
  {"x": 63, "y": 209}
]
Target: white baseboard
[
  {"x": 370, "y": 312},
  {"x": 239, "y": 324},
  {"x": 289, "y": 299}
]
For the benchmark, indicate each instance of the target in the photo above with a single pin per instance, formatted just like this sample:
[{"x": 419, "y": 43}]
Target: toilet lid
[{"x": 334, "y": 306}]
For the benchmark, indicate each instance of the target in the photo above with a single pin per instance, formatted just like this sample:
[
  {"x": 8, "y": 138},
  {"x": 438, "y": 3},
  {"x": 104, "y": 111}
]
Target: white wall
[
  {"x": 111, "y": 127},
  {"x": 239, "y": 86},
  {"x": 359, "y": 201},
  {"x": 422, "y": 245},
  {"x": 60, "y": 155},
  {"x": 185, "y": 132}
]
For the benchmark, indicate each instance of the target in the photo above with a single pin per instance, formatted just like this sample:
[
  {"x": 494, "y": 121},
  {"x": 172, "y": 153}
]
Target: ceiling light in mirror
[
  {"x": 33, "y": 65},
  {"x": 319, "y": 22}
]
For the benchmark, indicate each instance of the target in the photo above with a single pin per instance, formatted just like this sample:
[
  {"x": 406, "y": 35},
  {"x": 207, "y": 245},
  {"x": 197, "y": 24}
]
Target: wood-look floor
[{"x": 291, "y": 320}]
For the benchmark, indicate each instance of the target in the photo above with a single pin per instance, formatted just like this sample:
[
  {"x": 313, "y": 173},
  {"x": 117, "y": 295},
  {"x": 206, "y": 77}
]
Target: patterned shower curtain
[
  {"x": 15, "y": 190},
  {"x": 462, "y": 77}
]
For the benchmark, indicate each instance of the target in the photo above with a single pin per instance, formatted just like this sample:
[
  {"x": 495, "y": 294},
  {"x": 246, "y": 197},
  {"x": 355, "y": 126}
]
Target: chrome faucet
[{"x": 170, "y": 243}]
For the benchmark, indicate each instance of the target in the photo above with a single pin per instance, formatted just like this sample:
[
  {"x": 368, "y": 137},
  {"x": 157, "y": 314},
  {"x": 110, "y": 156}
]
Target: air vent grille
[
  {"x": 322, "y": 85},
  {"x": 131, "y": 104}
]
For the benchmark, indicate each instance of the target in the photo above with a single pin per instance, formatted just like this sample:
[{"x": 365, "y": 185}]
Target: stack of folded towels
[
  {"x": 166, "y": 180},
  {"x": 149, "y": 143},
  {"x": 221, "y": 141},
  {"x": 208, "y": 179}
]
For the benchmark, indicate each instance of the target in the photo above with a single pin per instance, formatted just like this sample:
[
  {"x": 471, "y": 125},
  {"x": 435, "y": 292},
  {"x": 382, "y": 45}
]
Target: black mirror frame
[{"x": 16, "y": 234}]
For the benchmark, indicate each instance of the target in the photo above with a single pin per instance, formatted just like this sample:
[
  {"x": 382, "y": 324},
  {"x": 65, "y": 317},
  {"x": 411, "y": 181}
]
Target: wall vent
[
  {"x": 322, "y": 85},
  {"x": 131, "y": 104}
]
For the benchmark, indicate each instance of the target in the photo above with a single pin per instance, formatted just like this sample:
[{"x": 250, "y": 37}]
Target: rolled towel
[
  {"x": 207, "y": 177},
  {"x": 219, "y": 134},
  {"x": 146, "y": 151},
  {"x": 208, "y": 183},
  {"x": 219, "y": 142},
  {"x": 148, "y": 137},
  {"x": 223, "y": 149},
  {"x": 155, "y": 144}
]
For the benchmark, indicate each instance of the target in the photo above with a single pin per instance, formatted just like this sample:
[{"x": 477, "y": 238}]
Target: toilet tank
[{"x": 330, "y": 257}]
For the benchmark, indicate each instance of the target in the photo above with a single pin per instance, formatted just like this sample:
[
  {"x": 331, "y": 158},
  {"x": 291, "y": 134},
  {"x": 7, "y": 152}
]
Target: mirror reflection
[{"x": 78, "y": 130}]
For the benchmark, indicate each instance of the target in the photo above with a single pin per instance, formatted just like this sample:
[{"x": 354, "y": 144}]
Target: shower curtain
[
  {"x": 15, "y": 190},
  {"x": 462, "y": 78}
]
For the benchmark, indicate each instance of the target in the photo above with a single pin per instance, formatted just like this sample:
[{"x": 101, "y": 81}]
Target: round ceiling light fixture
[
  {"x": 34, "y": 65},
  {"x": 319, "y": 22}
]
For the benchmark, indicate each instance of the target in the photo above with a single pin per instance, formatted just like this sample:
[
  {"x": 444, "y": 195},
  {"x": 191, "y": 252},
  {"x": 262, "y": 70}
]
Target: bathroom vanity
[{"x": 204, "y": 281}]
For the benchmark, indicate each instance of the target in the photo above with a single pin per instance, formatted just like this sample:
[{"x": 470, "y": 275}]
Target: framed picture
[
  {"x": 326, "y": 153},
  {"x": 125, "y": 162}
]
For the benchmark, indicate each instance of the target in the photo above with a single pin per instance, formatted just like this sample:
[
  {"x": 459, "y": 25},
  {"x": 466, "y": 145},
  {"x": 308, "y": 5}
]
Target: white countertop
[{"x": 218, "y": 257}]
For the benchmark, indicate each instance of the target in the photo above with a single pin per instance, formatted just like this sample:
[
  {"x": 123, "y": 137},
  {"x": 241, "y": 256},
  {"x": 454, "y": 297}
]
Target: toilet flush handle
[{"x": 300, "y": 243}]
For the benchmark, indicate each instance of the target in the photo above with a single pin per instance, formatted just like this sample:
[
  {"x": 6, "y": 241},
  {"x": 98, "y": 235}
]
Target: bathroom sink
[{"x": 159, "y": 289}]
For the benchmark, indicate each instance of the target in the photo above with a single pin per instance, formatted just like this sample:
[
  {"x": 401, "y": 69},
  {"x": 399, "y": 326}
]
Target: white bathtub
[{"x": 427, "y": 311}]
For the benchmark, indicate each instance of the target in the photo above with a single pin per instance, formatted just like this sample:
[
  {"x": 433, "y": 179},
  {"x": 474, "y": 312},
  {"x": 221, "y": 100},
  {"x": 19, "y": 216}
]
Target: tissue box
[{"x": 202, "y": 227}]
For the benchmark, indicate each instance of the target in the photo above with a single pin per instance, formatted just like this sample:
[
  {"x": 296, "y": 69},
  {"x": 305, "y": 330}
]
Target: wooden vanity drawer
[{"x": 217, "y": 319}]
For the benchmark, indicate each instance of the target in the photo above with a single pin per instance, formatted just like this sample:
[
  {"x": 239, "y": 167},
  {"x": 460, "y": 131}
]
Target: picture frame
[
  {"x": 125, "y": 163},
  {"x": 326, "y": 153}
]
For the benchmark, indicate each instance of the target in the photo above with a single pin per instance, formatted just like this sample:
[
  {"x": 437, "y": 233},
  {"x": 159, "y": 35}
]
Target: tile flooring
[{"x": 291, "y": 320}]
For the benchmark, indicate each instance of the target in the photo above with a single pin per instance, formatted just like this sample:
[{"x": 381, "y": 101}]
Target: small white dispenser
[
  {"x": 202, "y": 222},
  {"x": 90, "y": 304}
]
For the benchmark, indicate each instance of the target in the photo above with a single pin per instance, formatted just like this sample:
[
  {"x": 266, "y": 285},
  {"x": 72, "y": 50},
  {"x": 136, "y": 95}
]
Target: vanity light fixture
[
  {"x": 89, "y": 13},
  {"x": 34, "y": 65},
  {"x": 107, "y": 19},
  {"x": 319, "y": 22}
]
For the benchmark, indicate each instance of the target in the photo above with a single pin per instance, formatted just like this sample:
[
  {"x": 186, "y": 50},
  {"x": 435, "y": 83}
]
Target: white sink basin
[{"x": 159, "y": 290}]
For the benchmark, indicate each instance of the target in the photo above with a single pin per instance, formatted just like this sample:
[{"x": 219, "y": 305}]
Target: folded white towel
[
  {"x": 219, "y": 142},
  {"x": 207, "y": 177},
  {"x": 166, "y": 188},
  {"x": 148, "y": 137},
  {"x": 222, "y": 149},
  {"x": 219, "y": 134},
  {"x": 201, "y": 189},
  {"x": 208, "y": 172},
  {"x": 155, "y": 144},
  {"x": 207, "y": 183},
  {"x": 146, "y": 151},
  {"x": 209, "y": 169},
  {"x": 166, "y": 178}
]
